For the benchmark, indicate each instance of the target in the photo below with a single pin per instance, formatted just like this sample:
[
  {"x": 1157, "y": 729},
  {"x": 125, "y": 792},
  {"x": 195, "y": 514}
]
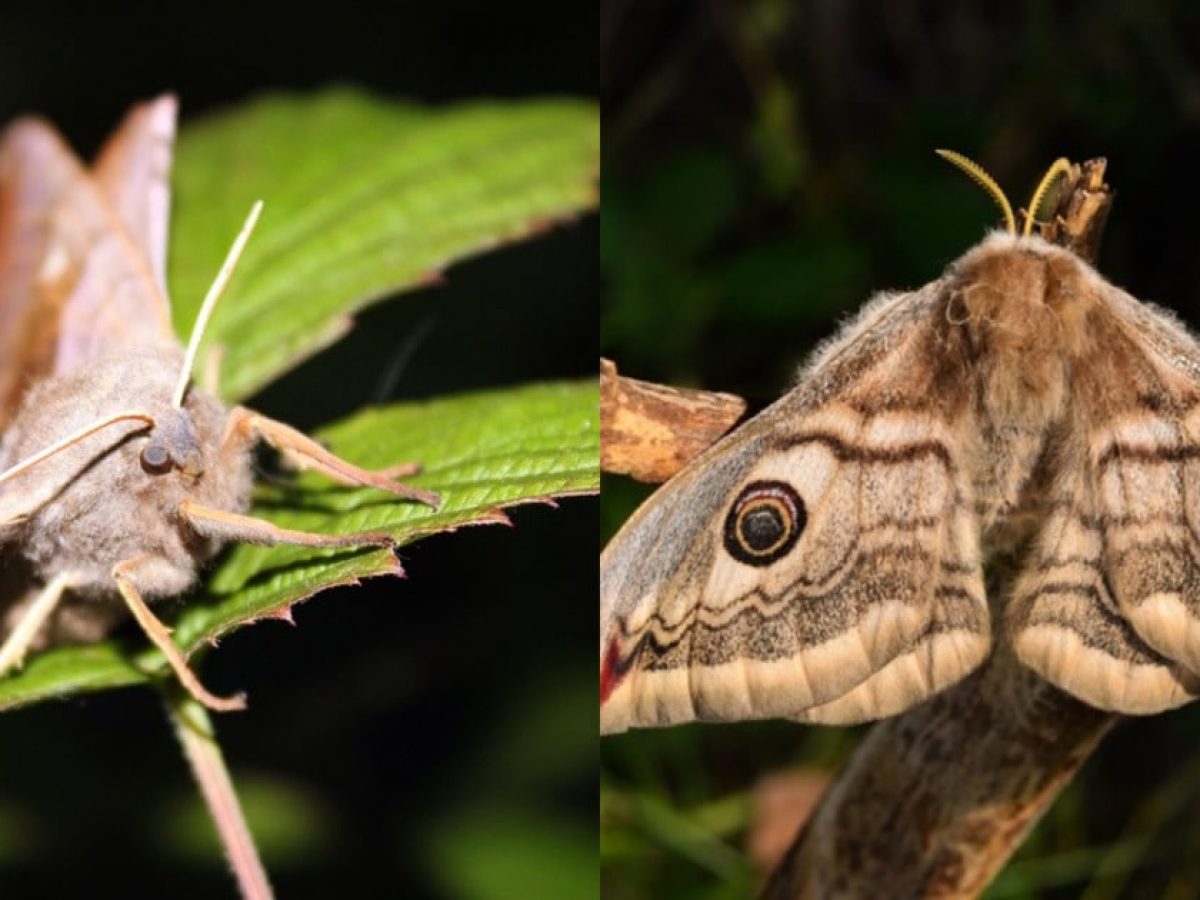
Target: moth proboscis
[
  {"x": 118, "y": 476},
  {"x": 825, "y": 561}
]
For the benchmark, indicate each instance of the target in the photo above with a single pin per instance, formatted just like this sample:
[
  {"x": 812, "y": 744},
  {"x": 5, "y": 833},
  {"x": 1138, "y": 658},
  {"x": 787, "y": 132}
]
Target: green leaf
[
  {"x": 482, "y": 452},
  {"x": 363, "y": 198},
  {"x": 511, "y": 854}
]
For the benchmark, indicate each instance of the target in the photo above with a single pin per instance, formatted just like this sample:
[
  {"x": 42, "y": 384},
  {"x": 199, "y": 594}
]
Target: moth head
[{"x": 173, "y": 445}]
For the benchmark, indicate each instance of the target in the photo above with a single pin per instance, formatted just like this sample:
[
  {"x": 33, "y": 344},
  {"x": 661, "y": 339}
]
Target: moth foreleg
[
  {"x": 228, "y": 526},
  {"x": 245, "y": 424},
  {"x": 160, "y": 634},
  {"x": 15, "y": 646}
]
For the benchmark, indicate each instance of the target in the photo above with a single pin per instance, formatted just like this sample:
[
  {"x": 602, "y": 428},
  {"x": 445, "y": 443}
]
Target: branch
[
  {"x": 651, "y": 431},
  {"x": 199, "y": 742},
  {"x": 936, "y": 800}
]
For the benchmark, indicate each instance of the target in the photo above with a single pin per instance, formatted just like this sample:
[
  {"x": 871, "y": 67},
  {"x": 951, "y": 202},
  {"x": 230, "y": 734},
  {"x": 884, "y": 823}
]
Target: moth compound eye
[
  {"x": 193, "y": 464},
  {"x": 764, "y": 523},
  {"x": 155, "y": 459}
]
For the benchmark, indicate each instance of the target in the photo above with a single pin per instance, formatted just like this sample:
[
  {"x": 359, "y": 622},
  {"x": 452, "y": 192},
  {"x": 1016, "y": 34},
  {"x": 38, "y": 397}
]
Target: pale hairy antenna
[
  {"x": 210, "y": 302},
  {"x": 985, "y": 181},
  {"x": 58, "y": 446},
  {"x": 1059, "y": 168}
]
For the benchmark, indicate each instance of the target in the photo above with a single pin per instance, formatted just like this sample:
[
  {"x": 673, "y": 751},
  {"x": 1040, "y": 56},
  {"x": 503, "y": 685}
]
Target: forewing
[
  {"x": 133, "y": 174},
  {"x": 877, "y": 603},
  {"x": 75, "y": 282},
  {"x": 36, "y": 171},
  {"x": 96, "y": 258}
]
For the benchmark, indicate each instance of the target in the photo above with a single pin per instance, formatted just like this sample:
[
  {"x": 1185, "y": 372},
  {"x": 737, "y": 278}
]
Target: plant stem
[{"x": 196, "y": 734}]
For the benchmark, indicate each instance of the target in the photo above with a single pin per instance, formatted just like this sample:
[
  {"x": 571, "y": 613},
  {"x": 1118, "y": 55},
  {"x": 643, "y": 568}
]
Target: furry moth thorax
[
  {"x": 825, "y": 561},
  {"x": 1026, "y": 311},
  {"x": 137, "y": 474}
]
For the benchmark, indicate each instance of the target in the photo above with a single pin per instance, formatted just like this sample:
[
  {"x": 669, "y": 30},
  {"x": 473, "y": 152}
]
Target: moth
[
  {"x": 825, "y": 561},
  {"x": 119, "y": 477}
]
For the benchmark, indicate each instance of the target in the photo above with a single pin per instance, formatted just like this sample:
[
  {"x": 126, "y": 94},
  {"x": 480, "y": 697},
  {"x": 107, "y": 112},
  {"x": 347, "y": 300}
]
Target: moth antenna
[
  {"x": 1059, "y": 168},
  {"x": 58, "y": 446},
  {"x": 210, "y": 301},
  {"x": 980, "y": 176}
]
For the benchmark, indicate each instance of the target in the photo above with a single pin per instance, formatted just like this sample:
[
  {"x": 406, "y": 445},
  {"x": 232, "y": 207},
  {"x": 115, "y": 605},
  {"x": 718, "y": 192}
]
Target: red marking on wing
[{"x": 611, "y": 671}]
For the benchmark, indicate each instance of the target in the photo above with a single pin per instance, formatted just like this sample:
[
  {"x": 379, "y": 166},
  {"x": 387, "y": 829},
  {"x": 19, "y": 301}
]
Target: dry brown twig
[
  {"x": 651, "y": 431},
  {"x": 934, "y": 801}
]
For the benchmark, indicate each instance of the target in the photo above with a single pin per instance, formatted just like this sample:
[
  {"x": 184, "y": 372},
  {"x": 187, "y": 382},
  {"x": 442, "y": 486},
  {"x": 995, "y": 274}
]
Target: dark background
[
  {"x": 768, "y": 165},
  {"x": 408, "y": 738}
]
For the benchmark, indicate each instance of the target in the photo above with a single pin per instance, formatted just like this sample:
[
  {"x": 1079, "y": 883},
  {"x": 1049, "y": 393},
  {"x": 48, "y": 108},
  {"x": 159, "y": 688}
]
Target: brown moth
[
  {"x": 118, "y": 476},
  {"x": 825, "y": 561}
]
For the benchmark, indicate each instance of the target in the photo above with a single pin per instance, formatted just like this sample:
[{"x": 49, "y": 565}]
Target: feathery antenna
[
  {"x": 1059, "y": 168},
  {"x": 985, "y": 181},
  {"x": 210, "y": 301}
]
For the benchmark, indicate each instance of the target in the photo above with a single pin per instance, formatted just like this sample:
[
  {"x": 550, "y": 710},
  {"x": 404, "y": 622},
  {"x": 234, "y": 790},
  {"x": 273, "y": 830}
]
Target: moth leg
[
  {"x": 160, "y": 634},
  {"x": 401, "y": 470},
  {"x": 227, "y": 526},
  {"x": 12, "y": 653},
  {"x": 245, "y": 424}
]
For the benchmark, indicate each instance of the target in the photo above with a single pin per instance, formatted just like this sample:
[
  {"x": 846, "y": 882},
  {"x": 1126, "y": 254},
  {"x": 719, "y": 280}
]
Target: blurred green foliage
[{"x": 767, "y": 166}]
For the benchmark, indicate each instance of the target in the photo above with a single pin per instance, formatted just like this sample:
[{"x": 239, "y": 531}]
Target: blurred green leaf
[
  {"x": 652, "y": 234},
  {"x": 687, "y": 203},
  {"x": 930, "y": 219},
  {"x": 482, "y": 452},
  {"x": 797, "y": 279},
  {"x": 782, "y": 153},
  {"x": 20, "y": 836},
  {"x": 364, "y": 198},
  {"x": 508, "y": 854},
  {"x": 1029, "y": 877},
  {"x": 289, "y": 824},
  {"x": 551, "y": 709},
  {"x": 641, "y": 831}
]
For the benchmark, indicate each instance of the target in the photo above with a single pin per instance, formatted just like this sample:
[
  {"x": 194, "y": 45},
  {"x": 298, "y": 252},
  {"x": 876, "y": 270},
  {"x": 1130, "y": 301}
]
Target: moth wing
[
  {"x": 1065, "y": 620},
  {"x": 75, "y": 281},
  {"x": 878, "y": 603},
  {"x": 1145, "y": 451},
  {"x": 133, "y": 174},
  {"x": 36, "y": 170},
  {"x": 953, "y": 643}
]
